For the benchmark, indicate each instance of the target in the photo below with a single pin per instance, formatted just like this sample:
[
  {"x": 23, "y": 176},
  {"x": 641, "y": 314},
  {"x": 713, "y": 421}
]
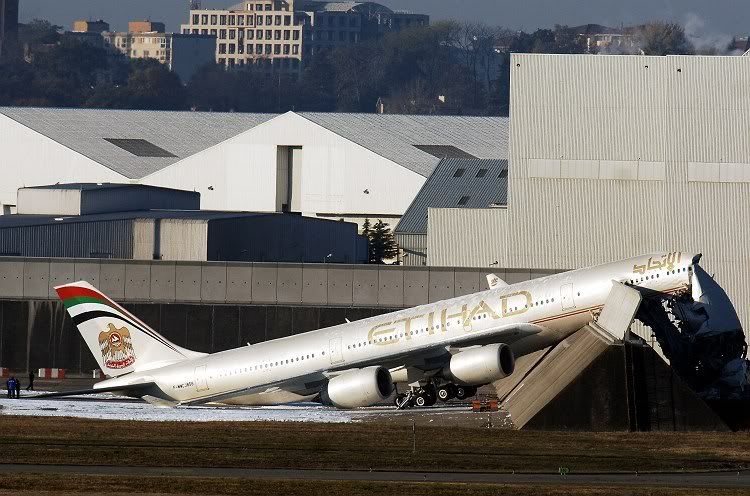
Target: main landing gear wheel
[
  {"x": 426, "y": 396},
  {"x": 446, "y": 392},
  {"x": 463, "y": 392}
]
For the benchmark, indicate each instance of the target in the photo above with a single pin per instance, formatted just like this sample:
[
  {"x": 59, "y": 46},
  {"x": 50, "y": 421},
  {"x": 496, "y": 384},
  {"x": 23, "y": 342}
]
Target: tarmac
[{"x": 702, "y": 479}]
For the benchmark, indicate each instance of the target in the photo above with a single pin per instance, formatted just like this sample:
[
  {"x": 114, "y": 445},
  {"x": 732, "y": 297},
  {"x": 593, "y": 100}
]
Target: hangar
[
  {"x": 653, "y": 155},
  {"x": 338, "y": 166}
]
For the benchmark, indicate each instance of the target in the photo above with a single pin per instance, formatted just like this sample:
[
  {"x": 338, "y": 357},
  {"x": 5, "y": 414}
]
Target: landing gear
[
  {"x": 446, "y": 392},
  {"x": 463, "y": 392},
  {"x": 420, "y": 397}
]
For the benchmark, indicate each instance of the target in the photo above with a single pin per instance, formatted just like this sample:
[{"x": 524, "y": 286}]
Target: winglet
[{"x": 495, "y": 282}]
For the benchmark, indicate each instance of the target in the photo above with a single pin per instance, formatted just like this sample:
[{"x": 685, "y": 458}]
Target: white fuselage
[{"x": 527, "y": 316}]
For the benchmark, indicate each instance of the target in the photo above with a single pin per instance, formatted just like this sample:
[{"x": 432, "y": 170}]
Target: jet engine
[
  {"x": 480, "y": 366},
  {"x": 356, "y": 388}
]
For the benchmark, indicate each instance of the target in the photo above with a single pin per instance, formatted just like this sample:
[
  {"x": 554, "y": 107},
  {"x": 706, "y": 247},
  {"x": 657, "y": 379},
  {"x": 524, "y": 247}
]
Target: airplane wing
[{"x": 130, "y": 390}]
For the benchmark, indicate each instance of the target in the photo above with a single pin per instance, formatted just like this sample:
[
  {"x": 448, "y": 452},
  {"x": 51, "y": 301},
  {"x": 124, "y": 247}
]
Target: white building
[
  {"x": 349, "y": 166},
  {"x": 612, "y": 156}
]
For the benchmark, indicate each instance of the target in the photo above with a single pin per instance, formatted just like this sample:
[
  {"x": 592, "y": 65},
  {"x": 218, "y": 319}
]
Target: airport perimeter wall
[{"x": 210, "y": 306}]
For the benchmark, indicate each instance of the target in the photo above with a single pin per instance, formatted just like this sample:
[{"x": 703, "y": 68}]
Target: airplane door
[
  {"x": 566, "y": 297},
  {"x": 201, "y": 378},
  {"x": 335, "y": 350}
]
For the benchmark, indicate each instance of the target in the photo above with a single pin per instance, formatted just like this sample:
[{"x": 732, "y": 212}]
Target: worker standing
[{"x": 30, "y": 387}]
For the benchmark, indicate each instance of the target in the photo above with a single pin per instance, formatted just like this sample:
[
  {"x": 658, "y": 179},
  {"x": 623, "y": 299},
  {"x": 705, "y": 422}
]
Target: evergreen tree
[{"x": 382, "y": 243}]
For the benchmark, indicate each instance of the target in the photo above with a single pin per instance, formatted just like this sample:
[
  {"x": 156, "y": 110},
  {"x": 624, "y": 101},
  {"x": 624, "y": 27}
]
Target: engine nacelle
[
  {"x": 356, "y": 388},
  {"x": 481, "y": 366}
]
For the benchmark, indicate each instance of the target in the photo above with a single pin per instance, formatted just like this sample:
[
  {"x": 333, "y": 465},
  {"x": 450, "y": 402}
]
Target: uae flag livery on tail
[{"x": 119, "y": 341}]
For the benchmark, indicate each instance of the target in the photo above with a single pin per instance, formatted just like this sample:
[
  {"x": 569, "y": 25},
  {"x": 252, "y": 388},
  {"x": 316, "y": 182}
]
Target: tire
[
  {"x": 421, "y": 400},
  {"x": 446, "y": 392},
  {"x": 398, "y": 399},
  {"x": 461, "y": 393}
]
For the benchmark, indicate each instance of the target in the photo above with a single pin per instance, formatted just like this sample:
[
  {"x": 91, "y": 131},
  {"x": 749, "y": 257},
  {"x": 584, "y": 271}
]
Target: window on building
[
  {"x": 463, "y": 200},
  {"x": 259, "y": 49},
  {"x": 295, "y": 35},
  {"x": 139, "y": 147},
  {"x": 287, "y": 20},
  {"x": 250, "y": 48},
  {"x": 459, "y": 172},
  {"x": 232, "y": 34},
  {"x": 295, "y": 49},
  {"x": 269, "y": 20},
  {"x": 259, "y": 34},
  {"x": 195, "y": 31},
  {"x": 277, "y": 34},
  {"x": 258, "y": 6},
  {"x": 222, "y": 34},
  {"x": 251, "y": 20},
  {"x": 342, "y": 21},
  {"x": 196, "y": 19},
  {"x": 342, "y": 35},
  {"x": 241, "y": 20},
  {"x": 277, "y": 20},
  {"x": 268, "y": 6},
  {"x": 223, "y": 20},
  {"x": 231, "y": 62},
  {"x": 250, "y": 34},
  {"x": 277, "y": 49},
  {"x": 204, "y": 19},
  {"x": 444, "y": 151},
  {"x": 259, "y": 21},
  {"x": 286, "y": 34},
  {"x": 286, "y": 49},
  {"x": 222, "y": 61},
  {"x": 213, "y": 20},
  {"x": 222, "y": 48},
  {"x": 231, "y": 20},
  {"x": 269, "y": 48},
  {"x": 330, "y": 21},
  {"x": 481, "y": 172},
  {"x": 352, "y": 22},
  {"x": 240, "y": 34},
  {"x": 232, "y": 48},
  {"x": 205, "y": 31},
  {"x": 241, "y": 48}
]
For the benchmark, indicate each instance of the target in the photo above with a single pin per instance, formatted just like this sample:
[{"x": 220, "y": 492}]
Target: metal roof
[
  {"x": 180, "y": 133},
  {"x": 457, "y": 181},
  {"x": 16, "y": 220},
  {"x": 183, "y": 134},
  {"x": 101, "y": 186},
  {"x": 394, "y": 136}
]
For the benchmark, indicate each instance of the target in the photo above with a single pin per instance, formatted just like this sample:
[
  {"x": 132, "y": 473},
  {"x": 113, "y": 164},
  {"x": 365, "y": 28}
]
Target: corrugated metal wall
[
  {"x": 467, "y": 237},
  {"x": 677, "y": 113},
  {"x": 110, "y": 239},
  {"x": 283, "y": 238},
  {"x": 414, "y": 248}
]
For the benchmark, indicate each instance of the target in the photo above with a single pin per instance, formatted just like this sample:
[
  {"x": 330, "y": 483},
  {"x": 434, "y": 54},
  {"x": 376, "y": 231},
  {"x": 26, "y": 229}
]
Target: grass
[
  {"x": 47, "y": 440},
  {"x": 63, "y": 485}
]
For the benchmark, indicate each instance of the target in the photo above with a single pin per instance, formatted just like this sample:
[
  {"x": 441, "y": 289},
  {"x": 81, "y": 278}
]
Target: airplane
[{"x": 438, "y": 351}]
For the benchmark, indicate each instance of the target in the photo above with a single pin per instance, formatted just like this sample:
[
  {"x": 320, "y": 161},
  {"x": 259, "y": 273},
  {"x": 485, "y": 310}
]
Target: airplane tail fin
[{"x": 121, "y": 343}]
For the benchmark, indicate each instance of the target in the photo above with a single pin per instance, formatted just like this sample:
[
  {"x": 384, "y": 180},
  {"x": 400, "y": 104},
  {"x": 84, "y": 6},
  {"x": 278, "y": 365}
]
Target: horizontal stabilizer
[
  {"x": 495, "y": 282},
  {"x": 130, "y": 390}
]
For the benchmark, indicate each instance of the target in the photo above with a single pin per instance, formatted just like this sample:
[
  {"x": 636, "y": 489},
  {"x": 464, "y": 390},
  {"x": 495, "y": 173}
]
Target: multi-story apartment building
[
  {"x": 184, "y": 54},
  {"x": 8, "y": 26},
  {"x": 278, "y": 34}
]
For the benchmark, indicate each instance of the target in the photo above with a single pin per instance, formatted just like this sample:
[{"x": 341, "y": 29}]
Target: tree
[
  {"x": 382, "y": 243},
  {"x": 664, "y": 38},
  {"x": 39, "y": 32}
]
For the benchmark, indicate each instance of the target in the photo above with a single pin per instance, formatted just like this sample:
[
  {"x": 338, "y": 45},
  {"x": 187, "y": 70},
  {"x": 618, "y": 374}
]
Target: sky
[{"x": 714, "y": 17}]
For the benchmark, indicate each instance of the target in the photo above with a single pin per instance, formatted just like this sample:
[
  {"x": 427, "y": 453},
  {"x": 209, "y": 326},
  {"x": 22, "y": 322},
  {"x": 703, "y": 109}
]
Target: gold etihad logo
[
  {"x": 117, "y": 347},
  {"x": 665, "y": 262},
  {"x": 441, "y": 319}
]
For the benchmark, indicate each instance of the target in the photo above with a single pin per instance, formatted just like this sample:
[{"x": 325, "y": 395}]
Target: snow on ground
[{"x": 105, "y": 406}]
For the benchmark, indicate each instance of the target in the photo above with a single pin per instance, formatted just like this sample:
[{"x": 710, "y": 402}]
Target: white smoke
[{"x": 703, "y": 39}]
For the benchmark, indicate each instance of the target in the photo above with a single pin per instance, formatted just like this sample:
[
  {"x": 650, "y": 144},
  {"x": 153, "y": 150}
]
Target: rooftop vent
[
  {"x": 481, "y": 172},
  {"x": 459, "y": 172},
  {"x": 463, "y": 201},
  {"x": 140, "y": 147},
  {"x": 444, "y": 151}
]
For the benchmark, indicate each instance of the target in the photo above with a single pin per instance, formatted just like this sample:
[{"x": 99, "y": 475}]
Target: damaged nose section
[
  {"x": 712, "y": 301},
  {"x": 701, "y": 335}
]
